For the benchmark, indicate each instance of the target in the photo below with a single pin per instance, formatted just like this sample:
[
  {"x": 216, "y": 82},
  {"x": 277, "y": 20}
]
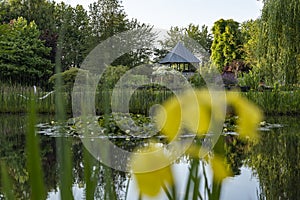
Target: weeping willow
[{"x": 279, "y": 41}]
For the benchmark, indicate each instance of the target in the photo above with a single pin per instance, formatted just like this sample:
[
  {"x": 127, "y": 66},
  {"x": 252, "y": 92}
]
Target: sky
[{"x": 166, "y": 13}]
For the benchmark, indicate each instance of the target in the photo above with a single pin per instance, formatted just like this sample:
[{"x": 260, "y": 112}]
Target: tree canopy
[
  {"x": 77, "y": 29},
  {"x": 23, "y": 56},
  {"x": 227, "y": 43},
  {"x": 278, "y": 46},
  {"x": 269, "y": 44}
]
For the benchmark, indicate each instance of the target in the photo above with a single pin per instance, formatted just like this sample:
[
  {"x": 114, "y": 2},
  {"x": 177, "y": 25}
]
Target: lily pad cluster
[{"x": 113, "y": 125}]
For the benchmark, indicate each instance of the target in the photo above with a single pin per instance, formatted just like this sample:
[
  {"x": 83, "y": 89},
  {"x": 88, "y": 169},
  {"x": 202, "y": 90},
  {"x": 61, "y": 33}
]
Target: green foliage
[
  {"x": 14, "y": 99},
  {"x": 68, "y": 78},
  {"x": 74, "y": 24},
  {"x": 250, "y": 36},
  {"x": 278, "y": 46},
  {"x": 227, "y": 42},
  {"x": 176, "y": 34},
  {"x": 111, "y": 76},
  {"x": 6, "y": 182},
  {"x": 107, "y": 18},
  {"x": 23, "y": 56},
  {"x": 141, "y": 56},
  {"x": 197, "y": 81},
  {"x": 276, "y": 102},
  {"x": 108, "y": 80},
  {"x": 39, "y": 11},
  {"x": 275, "y": 160},
  {"x": 77, "y": 29},
  {"x": 251, "y": 79}
]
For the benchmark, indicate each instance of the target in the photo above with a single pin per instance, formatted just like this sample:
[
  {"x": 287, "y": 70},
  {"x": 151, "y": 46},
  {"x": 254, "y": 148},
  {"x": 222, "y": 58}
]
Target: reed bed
[
  {"x": 14, "y": 99},
  {"x": 276, "y": 102}
]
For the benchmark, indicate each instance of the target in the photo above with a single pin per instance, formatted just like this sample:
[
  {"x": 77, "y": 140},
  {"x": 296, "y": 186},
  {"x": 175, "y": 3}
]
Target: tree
[
  {"x": 278, "y": 46},
  {"x": 42, "y": 12},
  {"x": 39, "y": 11},
  {"x": 176, "y": 34},
  {"x": 250, "y": 36},
  {"x": 107, "y": 18},
  {"x": 144, "y": 37},
  {"x": 73, "y": 27},
  {"x": 203, "y": 37},
  {"x": 227, "y": 44},
  {"x": 23, "y": 56}
]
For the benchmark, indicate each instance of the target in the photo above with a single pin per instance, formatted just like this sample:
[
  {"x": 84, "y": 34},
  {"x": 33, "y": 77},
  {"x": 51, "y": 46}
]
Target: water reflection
[
  {"x": 274, "y": 161},
  {"x": 12, "y": 152}
]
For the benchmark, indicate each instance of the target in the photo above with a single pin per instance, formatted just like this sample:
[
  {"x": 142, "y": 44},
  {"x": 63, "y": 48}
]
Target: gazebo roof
[{"x": 179, "y": 54}]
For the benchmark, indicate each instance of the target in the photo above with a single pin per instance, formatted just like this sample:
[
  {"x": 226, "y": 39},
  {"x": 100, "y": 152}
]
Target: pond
[{"x": 271, "y": 170}]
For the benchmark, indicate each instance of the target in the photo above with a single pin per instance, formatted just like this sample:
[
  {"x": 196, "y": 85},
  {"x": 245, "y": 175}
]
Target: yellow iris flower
[
  {"x": 249, "y": 115},
  {"x": 151, "y": 169},
  {"x": 168, "y": 118},
  {"x": 220, "y": 168},
  {"x": 193, "y": 110}
]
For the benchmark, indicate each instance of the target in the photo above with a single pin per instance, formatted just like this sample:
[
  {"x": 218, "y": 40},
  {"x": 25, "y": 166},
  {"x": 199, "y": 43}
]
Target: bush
[
  {"x": 251, "y": 79},
  {"x": 111, "y": 76},
  {"x": 68, "y": 78}
]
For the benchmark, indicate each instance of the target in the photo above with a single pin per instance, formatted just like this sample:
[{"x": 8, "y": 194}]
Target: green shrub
[
  {"x": 251, "y": 79},
  {"x": 109, "y": 78}
]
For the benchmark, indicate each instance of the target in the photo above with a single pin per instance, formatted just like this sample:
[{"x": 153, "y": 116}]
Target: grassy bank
[
  {"x": 13, "y": 99},
  {"x": 277, "y": 102}
]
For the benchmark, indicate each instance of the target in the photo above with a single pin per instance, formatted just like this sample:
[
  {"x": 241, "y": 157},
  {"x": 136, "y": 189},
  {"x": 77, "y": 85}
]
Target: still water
[{"x": 271, "y": 170}]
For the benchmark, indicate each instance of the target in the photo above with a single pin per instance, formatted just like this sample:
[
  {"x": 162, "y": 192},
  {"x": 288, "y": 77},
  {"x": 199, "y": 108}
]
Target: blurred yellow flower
[
  {"x": 151, "y": 169},
  {"x": 197, "y": 110},
  {"x": 169, "y": 118},
  {"x": 220, "y": 168},
  {"x": 249, "y": 115},
  {"x": 194, "y": 110}
]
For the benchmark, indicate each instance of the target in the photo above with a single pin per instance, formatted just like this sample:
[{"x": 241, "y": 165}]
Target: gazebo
[{"x": 181, "y": 59}]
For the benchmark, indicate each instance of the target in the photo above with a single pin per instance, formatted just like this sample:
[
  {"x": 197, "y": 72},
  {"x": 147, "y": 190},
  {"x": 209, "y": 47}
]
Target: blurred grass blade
[
  {"x": 7, "y": 188},
  {"x": 63, "y": 145},
  {"x": 91, "y": 181},
  {"x": 33, "y": 157}
]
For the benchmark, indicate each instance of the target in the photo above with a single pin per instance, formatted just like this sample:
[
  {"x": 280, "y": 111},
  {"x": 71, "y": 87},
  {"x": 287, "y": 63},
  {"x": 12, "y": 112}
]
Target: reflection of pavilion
[{"x": 181, "y": 59}]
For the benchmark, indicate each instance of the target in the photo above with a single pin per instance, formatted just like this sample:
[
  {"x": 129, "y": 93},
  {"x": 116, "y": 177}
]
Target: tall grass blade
[
  {"x": 7, "y": 187},
  {"x": 33, "y": 157},
  {"x": 90, "y": 180},
  {"x": 62, "y": 144}
]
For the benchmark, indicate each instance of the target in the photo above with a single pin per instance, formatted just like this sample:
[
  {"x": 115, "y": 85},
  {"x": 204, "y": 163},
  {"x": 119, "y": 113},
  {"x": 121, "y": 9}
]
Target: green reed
[
  {"x": 277, "y": 102},
  {"x": 15, "y": 99}
]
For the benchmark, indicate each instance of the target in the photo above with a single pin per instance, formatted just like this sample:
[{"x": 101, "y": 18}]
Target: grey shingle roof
[{"x": 179, "y": 54}]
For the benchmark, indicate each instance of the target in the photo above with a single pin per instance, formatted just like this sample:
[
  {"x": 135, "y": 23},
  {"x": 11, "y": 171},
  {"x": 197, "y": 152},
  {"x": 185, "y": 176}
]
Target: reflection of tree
[
  {"x": 49, "y": 162},
  {"x": 235, "y": 153},
  {"x": 275, "y": 160},
  {"x": 12, "y": 152}
]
